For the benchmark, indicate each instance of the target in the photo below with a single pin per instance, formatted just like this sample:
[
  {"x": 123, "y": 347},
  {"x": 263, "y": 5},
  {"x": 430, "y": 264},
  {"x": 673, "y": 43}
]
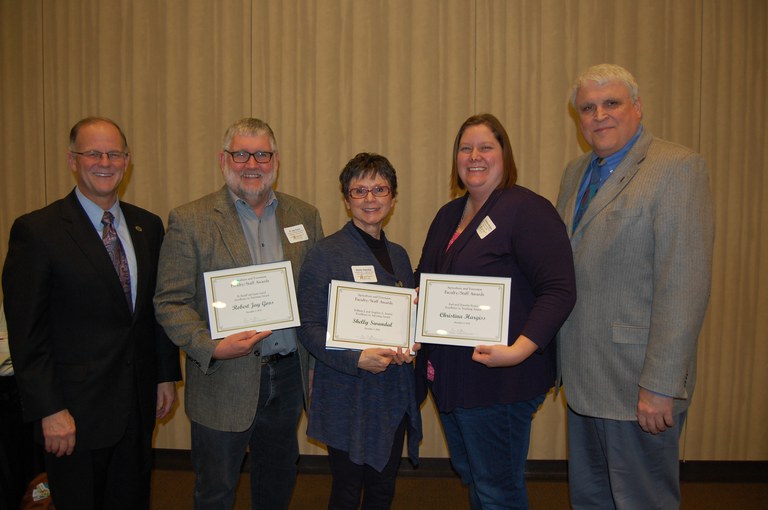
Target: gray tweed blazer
[
  {"x": 643, "y": 255},
  {"x": 206, "y": 235}
]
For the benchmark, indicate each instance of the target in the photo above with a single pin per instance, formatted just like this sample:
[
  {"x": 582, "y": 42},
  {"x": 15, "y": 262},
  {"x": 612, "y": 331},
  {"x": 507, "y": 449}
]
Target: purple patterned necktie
[{"x": 117, "y": 254}]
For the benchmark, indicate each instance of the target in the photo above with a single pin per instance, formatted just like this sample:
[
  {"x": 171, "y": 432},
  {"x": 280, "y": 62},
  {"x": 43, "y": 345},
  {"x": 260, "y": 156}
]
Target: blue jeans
[
  {"x": 217, "y": 456},
  {"x": 489, "y": 447}
]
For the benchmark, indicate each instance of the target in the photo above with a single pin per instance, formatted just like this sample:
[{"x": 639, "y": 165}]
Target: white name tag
[
  {"x": 296, "y": 234},
  {"x": 364, "y": 274},
  {"x": 486, "y": 227}
]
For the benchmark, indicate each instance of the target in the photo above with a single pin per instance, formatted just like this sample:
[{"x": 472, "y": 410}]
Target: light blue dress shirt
[{"x": 264, "y": 242}]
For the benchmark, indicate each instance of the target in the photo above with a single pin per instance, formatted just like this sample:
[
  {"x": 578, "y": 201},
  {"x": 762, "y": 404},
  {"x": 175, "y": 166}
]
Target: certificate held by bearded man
[{"x": 260, "y": 297}]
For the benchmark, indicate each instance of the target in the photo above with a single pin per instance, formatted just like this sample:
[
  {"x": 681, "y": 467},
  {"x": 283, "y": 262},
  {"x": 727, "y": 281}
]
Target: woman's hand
[
  {"x": 408, "y": 355},
  {"x": 503, "y": 355},
  {"x": 376, "y": 360}
]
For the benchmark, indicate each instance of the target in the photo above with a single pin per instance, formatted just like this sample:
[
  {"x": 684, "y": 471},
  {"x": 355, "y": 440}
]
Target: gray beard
[{"x": 251, "y": 197}]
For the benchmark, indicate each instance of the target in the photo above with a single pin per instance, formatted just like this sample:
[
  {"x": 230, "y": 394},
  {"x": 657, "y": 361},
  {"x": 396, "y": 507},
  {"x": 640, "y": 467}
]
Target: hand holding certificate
[
  {"x": 463, "y": 310},
  {"x": 259, "y": 297},
  {"x": 362, "y": 315}
]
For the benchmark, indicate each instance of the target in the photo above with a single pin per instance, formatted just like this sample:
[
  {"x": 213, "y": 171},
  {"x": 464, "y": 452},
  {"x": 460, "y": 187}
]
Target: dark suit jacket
[{"x": 74, "y": 343}]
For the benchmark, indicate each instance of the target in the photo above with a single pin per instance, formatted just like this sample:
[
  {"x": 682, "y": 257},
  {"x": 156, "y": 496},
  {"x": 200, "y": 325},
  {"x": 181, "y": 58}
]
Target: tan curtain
[
  {"x": 337, "y": 77},
  {"x": 729, "y": 411}
]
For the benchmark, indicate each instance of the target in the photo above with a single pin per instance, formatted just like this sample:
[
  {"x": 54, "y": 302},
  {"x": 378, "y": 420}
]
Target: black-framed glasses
[
  {"x": 376, "y": 191},
  {"x": 244, "y": 156},
  {"x": 96, "y": 155}
]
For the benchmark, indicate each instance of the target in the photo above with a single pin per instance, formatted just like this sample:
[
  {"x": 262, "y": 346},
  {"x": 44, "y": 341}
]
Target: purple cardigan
[{"x": 530, "y": 245}]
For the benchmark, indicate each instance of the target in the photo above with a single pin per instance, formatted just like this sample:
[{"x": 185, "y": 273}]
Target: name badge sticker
[
  {"x": 486, "y": 227},
  {"x": 364, "y": 274},
  {"x": 296, "y": 234}
]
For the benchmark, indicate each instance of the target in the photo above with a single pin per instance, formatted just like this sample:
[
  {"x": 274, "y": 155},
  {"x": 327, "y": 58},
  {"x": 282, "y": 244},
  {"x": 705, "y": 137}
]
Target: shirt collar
[
  {"x": 242, "y": 205},
  {"x": 612, "y": 161},
  {"x": 96, "y": 213}
]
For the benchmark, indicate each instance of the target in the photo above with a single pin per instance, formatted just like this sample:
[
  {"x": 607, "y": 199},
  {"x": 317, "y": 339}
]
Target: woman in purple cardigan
[{"x": 487, "y": 396}]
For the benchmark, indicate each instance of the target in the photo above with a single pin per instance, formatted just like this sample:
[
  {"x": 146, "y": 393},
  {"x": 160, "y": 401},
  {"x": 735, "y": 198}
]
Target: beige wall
[{"x": 336, "y": 77}]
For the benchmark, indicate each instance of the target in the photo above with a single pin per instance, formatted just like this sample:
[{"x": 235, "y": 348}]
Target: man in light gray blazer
[
  {"x": 245, "y": 390},
  {"x": 639, "y": 213}
]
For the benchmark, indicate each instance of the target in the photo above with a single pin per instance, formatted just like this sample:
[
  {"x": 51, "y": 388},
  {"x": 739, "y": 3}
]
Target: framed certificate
[
  {"x": 261, "y": 297},
  {"x": 363, "y": 315},
  {"x": 463, "y": 310}
]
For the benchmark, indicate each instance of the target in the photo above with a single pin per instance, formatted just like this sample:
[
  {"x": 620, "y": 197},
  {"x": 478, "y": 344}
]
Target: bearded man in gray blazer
[
  {"x": 245, "y": 390},
  {"x": 642, "y": 249}
]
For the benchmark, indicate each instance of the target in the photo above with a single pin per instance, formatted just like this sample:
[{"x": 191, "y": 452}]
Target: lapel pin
[{"x": 138, "y": 228}]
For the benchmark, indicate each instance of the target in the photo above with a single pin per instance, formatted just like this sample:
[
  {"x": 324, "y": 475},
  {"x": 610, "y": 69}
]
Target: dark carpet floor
[{"x": 172, "y": 490}]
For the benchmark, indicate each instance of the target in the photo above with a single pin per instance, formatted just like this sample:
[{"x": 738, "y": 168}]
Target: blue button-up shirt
[{"x": 606, "y": 169}]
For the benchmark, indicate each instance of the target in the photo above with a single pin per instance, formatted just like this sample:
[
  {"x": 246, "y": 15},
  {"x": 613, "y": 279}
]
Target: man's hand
[
  {"x": 59, "y": 433},
  {"x": 238, "y": 344},
  {"x": 654, "y": 411},
  {"x": 166, "y": 396},
  {"x": 376, "y": 360}
]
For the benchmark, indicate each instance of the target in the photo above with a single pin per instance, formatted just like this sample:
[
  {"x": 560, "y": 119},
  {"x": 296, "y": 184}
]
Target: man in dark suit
[
  {"x": 94, "y": 368},
  {"x": 639, "y": 213},
  {"x": 244, "y": 390}
]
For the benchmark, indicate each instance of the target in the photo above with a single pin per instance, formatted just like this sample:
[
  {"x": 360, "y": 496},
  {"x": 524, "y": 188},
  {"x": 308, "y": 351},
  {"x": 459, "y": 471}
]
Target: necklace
[{"x": 464, "y": 216}]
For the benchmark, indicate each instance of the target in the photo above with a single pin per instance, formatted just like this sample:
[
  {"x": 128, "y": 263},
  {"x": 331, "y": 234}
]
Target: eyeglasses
[
  {"x": 377, "y": 191},
  {"x": 244, "y": 156},
  {"x": 96, "y": 155}
]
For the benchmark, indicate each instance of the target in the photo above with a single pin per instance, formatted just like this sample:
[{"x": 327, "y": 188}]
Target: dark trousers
[
  {"x": 615, "y": 465},
  {"x": 351, "y": 480},
  {"x": 20, "y": 458},
  {"x": 114, "y": 478}
]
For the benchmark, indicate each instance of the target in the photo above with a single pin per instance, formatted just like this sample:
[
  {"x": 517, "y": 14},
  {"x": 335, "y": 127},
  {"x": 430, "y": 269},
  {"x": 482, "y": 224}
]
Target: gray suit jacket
[
  {"x": 206, "y": 235},
  {"x": 643, "y": 256}
]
